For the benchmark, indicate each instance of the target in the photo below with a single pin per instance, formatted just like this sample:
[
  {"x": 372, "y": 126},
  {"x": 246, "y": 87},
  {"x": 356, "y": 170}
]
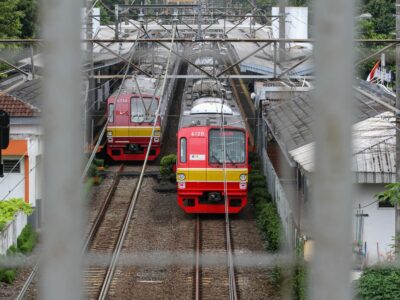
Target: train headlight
[
  {"x": 157, "y": 132},
  {"x": 243, "y": 177},
  {"x": 109, "y": 133},
  {"x": 156, "y": 139},
  {"x": 181, "y": 176}
]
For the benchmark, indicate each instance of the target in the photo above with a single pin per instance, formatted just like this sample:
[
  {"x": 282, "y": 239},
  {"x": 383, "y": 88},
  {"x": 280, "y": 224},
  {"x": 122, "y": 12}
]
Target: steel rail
[
  {"x": 111, "y": 269},
  {"x": 89, "y": 238},
  {"x": 28, "y": 282},
  {"x": 103, "y": 209},
  {"x": 197, "y": 265}
]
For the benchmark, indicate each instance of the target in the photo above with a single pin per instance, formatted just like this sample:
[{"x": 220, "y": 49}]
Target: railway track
[
  {"x": 106, "y": 234},
  {"x": 94, "y": 224},
  {"x": 213, "y": 281}
]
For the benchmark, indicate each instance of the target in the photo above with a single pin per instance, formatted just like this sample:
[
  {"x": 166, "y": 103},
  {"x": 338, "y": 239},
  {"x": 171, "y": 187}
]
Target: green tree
[
  {"x": 391, "y": 194},
  {"x": 383, "y": 15},
  {"x": 29, "y": 9},
  {"x": 10, "y": 24}
]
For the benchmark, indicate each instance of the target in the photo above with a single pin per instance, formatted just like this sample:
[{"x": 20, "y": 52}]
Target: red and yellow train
[
  {"x": 212, "y": 169},
  {"x": 131, "y": 117}
]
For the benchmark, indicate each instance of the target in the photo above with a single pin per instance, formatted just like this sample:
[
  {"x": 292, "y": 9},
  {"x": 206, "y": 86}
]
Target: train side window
[
  {"x": 111, "y": 112},
  {"x": 183, "y": 150}
]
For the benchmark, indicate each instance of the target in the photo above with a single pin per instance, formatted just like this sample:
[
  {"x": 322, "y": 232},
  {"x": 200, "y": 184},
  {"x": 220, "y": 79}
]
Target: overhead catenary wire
[
  {"x": 124, "y": 230},
  {"x": 86, "y": 169}
]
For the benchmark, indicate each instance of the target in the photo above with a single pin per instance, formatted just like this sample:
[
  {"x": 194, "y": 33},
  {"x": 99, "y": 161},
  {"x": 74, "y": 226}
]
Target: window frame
[
  {"x": 226, "y": 161},
  {"x": 111, "y": 112},
  {"x": 153, "y": 101},
  {"x": 182, "y": 139},
  {"x": 16, "y": 170}
]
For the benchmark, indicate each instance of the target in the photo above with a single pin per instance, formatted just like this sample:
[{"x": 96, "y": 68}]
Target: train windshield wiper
[
  {"x": 214, "y": 157},
  {"x": 230, "y": 159}
]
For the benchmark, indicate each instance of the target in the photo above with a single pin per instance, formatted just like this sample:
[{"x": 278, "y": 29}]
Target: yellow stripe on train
[
  {"x": 134, "y": 131},
  {"x": 211, "y": 174}
]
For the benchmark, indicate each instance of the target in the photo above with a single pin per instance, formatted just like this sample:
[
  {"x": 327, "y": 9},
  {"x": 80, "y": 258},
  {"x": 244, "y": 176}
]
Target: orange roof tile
[{"x": 17, "y": 108}]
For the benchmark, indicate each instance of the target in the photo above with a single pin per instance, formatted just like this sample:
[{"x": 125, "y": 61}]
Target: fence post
[
  {"x": 62, "y": 150},
  {"x": 332, "y": 184}
]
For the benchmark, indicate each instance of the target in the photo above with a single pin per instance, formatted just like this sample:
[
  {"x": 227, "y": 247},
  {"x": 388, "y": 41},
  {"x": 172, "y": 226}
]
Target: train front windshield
[
  {"x": 143, "y": 110},
  {"x": 235, "y": 146}
]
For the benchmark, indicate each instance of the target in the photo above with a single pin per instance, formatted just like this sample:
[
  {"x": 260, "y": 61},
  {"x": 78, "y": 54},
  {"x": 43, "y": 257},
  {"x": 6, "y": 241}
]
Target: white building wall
[
  {"x": 378, "y": 229},
  {"x": 10, "y": 233},
  {"x": 296, "y": 24},
  {"x": 12, "y": 185},
  {"x": 33, "y": 135}
]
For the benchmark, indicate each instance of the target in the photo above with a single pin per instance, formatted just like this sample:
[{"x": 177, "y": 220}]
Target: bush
[
  {"x": 93, "y": 172},
  {"x": 255, "y": 165},
  {"x": 256, "y": 177},
  {"x": 12, "y": 250},
  {"x": 27, "y": 240},
  {"x": 257, "y": 184},
  {"x": 253, "y": 156},
  {"x": 270, "y": 224},
  {"x": 166, "y": 165},
  {"x": 379, "y": 283},
  {"x": 98, "y": 162},
  {"x": 7, "y": 275},
  {"x": 300, "y": 283},
  {"x": 261, "y": 192},
  {"x": 9, "y": 208}
]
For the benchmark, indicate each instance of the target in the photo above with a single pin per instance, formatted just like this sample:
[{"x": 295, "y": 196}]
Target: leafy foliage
[
  {"x": 9, "y": 208},
  {"x": 29, "y": 9},
  {"x": 167, "y": 164},
  {"x": 10, "y": 24},
  {"x": 93, "y": 172},
  {"x": 266, "y": 213},
  {"x": 7, "y": 275},
  {"x": 379, "y": 283},
  {"x": 391, "y": 194},
  {"x": 25, "y": 243},
  {"x": 27, "y": 240}
]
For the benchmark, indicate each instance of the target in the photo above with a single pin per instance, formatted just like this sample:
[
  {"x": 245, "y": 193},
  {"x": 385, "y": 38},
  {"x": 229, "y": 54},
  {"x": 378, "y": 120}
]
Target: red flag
[{"x": 372, "y": 73}]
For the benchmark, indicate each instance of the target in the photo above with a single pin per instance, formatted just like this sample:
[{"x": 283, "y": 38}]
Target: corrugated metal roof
[
  {"x": 374, "y": 148},
  {"x": 263, "y": 61},
  {"x": 291, "y": 120}
]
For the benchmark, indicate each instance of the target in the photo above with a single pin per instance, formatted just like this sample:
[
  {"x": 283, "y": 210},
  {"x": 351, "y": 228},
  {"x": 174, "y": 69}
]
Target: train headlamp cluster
[
  {"x": 181, "y": 176},
  {"x": 109, "y": 133},
  {"x": 157, "y": 133},
  {"x": 243, "y": 177}
]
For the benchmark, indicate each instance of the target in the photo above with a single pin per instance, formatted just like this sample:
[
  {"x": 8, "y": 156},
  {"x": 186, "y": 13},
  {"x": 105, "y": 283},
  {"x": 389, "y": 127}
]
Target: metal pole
[
  {"x": 32, "y": 63},
  {"x": 61, "y": 274},
  {"x": 331, "y": 211},
  {"x": 200, "y": 20},
  {"x": 91, "y": 95},
  {"x": 397, "y": 206},
  {"x": 275, "y": 58},
  {"x": 282, "y": 30},
  {"x": 116, "y": 21}
]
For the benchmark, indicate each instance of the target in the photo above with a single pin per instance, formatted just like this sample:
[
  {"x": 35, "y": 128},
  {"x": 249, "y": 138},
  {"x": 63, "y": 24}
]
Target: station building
[{"x": 24, "y": 156}]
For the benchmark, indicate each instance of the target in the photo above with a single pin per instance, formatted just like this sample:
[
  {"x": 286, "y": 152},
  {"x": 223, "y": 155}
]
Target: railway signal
[{"x": 4, "y": 135}]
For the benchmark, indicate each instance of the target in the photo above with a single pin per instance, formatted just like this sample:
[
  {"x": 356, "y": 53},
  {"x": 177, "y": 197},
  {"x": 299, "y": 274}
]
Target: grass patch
[{"x": 26, "y": 241}]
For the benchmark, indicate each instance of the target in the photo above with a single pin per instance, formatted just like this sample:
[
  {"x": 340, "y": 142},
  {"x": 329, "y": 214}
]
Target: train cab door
[
  {"x": 122, "y": 115},
  {"x": 197, "y": 159}
]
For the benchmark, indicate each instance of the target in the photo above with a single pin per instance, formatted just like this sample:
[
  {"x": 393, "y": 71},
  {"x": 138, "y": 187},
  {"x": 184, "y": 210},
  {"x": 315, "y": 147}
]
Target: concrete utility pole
[
  {"x": 91, "y": 91},
  {"x": 199, "y": 19},
  {"x": 397, "y": 206},
  {"x": 282, "y": 29}
]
